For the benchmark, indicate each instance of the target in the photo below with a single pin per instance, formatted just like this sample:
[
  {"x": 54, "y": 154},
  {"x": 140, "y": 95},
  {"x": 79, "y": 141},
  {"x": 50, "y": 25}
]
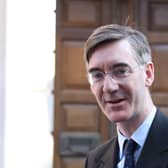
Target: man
[{"x": 120, "y": 72}]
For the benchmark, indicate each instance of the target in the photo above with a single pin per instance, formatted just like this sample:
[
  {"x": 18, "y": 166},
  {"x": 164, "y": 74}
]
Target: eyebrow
[
  {"x": 94, "y": 69},
  {"x": 122, "y": 64},
  {"x": 112, "y": 67}
]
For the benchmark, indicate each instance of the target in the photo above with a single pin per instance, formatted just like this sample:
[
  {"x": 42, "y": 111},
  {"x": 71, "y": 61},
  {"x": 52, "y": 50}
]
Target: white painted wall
[
  {"x": 2, "y": 79},
  {"x": 27, "y": 41},
  {"x": 30, "y": 42}
]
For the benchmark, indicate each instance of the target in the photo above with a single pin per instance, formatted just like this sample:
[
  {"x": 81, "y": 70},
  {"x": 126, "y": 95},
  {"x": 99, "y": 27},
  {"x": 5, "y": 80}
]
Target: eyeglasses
[{"x": 118, "y": 73}]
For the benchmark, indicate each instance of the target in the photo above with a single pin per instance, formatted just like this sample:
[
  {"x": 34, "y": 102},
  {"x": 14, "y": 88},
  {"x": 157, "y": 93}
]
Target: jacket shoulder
[
  {"x": 96, "y": 154},
  {"x": 102, "y": 148}
]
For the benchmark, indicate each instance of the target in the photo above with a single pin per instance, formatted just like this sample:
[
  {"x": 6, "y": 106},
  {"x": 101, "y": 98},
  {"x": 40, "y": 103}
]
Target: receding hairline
[
  {"x": 122, "y": 42},
  {"x": 92, "y": 49},
  {"x": 111, "y": 33},
  {"x": 106, "y": 34}
]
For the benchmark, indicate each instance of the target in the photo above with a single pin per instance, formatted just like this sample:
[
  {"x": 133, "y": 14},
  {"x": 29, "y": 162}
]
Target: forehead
[{"x": 112, "y": 53}]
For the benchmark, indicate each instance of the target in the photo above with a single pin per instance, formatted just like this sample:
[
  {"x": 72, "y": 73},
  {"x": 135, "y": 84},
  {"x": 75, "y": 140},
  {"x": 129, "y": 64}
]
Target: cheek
[
  {"x": 138, "y": 92},
  {"x": 96, "y": 92},
  {"x": 92, "y": 89},
  {"x": 131, "y": 90}
]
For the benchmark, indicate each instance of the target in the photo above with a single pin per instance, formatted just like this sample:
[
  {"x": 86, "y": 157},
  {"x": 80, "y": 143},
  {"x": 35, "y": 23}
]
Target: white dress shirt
[{"x": 139, "y": 136}]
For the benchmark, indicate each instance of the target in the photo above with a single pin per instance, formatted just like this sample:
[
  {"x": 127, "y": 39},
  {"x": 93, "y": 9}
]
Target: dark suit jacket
[{"x": 154, "y": 153}]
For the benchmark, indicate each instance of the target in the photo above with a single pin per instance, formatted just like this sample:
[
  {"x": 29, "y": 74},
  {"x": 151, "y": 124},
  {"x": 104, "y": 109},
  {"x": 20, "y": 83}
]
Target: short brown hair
[{"x": 113, "y": 32}]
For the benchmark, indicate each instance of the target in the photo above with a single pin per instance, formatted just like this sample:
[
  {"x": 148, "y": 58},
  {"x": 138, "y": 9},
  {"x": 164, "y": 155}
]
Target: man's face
[{"x": 124, "y": 98}]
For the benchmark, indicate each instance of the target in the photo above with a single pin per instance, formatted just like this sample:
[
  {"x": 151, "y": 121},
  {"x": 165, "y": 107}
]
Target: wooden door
[
  {"x": 152, "y": 20},
  {"x": 79, "y": 123}
]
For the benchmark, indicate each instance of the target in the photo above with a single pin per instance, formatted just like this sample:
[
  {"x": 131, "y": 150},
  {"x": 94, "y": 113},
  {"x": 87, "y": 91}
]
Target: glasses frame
[{"x": 112, "y": 75}]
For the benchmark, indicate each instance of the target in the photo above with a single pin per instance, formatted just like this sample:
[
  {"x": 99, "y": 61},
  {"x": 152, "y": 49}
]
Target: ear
[{"x": 149, "y": 74}]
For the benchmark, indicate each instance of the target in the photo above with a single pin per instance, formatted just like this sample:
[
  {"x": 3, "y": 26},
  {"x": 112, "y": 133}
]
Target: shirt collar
[{"x": 139, "y": 136}]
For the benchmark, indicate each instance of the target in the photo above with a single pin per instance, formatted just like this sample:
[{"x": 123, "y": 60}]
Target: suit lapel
[
  {"x": 108, "y": 158},
  {"x": 155, "y": 144},
  {"x": 156, "y": 141}
]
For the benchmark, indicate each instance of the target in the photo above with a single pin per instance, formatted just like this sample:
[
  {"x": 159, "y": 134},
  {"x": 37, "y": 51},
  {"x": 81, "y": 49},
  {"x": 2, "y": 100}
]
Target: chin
[
  {"x": 117, "y": 116},
  {"x": 117, "y": 119}
]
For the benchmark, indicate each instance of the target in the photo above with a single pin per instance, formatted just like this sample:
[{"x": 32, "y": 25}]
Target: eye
[
  {"x": 96, "y": 75},
  {"x": 121, "y": 71}
]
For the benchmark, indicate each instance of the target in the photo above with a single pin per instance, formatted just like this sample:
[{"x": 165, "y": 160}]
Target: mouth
[{"x": 115, "y": 101}]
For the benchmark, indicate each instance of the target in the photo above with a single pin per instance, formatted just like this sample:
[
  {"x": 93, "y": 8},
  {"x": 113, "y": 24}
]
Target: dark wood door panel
[
  {"x": 73, "y": 74},
  {"x": 160, "y": 58},
  {"x": 79, "y": 122},
  {"x": 152, "y": 20},
  {"x": 80, "y": 118},
  {"x": 77, "y": 117}
]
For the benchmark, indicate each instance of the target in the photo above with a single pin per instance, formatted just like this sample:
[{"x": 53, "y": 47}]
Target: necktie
[{"x": 130, "y": 147}]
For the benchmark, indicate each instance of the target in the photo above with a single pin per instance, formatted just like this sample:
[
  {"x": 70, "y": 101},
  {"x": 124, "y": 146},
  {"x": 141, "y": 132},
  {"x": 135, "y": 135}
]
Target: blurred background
[
  {"x": 48, "y": 116},
  {"x": 27, "y": 68}
]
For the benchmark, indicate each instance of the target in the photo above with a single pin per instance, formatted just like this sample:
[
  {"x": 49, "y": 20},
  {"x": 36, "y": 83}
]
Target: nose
[{"x": 110, "y": 84}]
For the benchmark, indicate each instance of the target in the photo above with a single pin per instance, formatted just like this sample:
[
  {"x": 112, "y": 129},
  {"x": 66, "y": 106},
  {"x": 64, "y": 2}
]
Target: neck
[{"x": 127, "y": 128}]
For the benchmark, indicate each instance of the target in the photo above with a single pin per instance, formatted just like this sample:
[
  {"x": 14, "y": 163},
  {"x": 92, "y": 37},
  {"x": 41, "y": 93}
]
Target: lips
[
  {"x": 114, "y": 98},
  {"x": 115, "y": 101}
]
